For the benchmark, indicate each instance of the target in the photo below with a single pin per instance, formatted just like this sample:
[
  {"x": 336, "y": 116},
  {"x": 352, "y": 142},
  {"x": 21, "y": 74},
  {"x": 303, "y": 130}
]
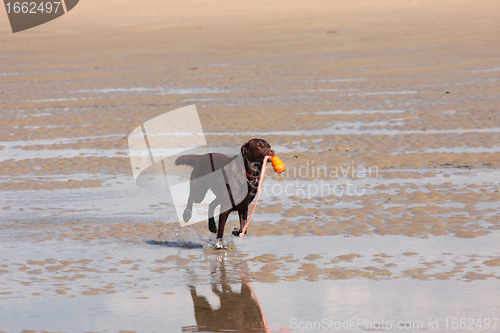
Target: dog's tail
[{"x": 186, "y": 160}]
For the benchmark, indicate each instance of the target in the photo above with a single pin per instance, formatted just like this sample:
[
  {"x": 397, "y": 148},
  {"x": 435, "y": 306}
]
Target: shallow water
[{"x": 153, "y": 285}]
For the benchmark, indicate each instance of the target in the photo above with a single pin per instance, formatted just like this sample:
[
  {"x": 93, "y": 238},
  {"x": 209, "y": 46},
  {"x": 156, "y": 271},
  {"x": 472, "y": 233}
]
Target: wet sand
[{"x": 385, "y": 113}]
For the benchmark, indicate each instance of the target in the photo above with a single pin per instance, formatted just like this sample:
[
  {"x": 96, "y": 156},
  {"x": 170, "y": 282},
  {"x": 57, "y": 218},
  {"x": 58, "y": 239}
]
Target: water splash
[{"x": 188, "y": 238}]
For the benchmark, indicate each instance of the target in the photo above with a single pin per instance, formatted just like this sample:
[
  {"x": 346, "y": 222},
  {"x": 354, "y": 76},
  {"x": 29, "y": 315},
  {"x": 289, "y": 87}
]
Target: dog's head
[{"x": 255, "y": 150}]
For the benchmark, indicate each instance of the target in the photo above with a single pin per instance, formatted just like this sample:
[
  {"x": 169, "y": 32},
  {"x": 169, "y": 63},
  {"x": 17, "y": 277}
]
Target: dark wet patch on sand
[
  {"x": 50, "y": 185},
  {"x": 55, "y": 166}
]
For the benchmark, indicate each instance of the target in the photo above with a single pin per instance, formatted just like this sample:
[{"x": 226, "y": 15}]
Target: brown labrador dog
[{"x": 219, "y": 173}]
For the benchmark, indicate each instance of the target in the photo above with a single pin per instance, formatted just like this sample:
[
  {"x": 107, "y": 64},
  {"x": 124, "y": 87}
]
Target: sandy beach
[{"x": 385, "y": 113}]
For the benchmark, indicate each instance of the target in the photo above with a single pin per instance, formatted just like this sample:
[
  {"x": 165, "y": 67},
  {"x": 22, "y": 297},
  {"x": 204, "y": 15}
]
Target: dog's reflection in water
[{"x": 238, "y": 311}]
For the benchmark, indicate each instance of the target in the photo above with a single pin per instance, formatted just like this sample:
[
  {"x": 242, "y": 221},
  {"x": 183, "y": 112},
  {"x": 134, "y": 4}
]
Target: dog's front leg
[
  {"x": 243, "y": 214},
  {"x": 220, "y": 233}
]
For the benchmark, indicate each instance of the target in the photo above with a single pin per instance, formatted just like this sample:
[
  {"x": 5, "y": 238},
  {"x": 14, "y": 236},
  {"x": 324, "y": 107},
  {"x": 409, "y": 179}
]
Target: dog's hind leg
[
  {"x": 188, "y": 211},
  {"x": 197, "y": 190},
  {"x": 211, "y": 219}
]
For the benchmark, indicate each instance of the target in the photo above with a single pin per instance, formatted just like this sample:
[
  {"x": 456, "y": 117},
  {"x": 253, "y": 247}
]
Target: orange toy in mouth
[{"x": 278, "y": 165}]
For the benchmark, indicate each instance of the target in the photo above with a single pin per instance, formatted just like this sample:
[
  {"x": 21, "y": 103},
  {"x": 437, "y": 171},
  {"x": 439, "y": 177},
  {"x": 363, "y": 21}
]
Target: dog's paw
[
  {"x": 211, "y": 226},
  {"x": 219, "y": 245},
  {"x": 237, "y": 231},
  {"x": 187, "y": 215}
]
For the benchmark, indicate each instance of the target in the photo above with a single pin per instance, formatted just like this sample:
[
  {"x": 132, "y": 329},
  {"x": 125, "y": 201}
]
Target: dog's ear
[{"x": 245, "y": 148}]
